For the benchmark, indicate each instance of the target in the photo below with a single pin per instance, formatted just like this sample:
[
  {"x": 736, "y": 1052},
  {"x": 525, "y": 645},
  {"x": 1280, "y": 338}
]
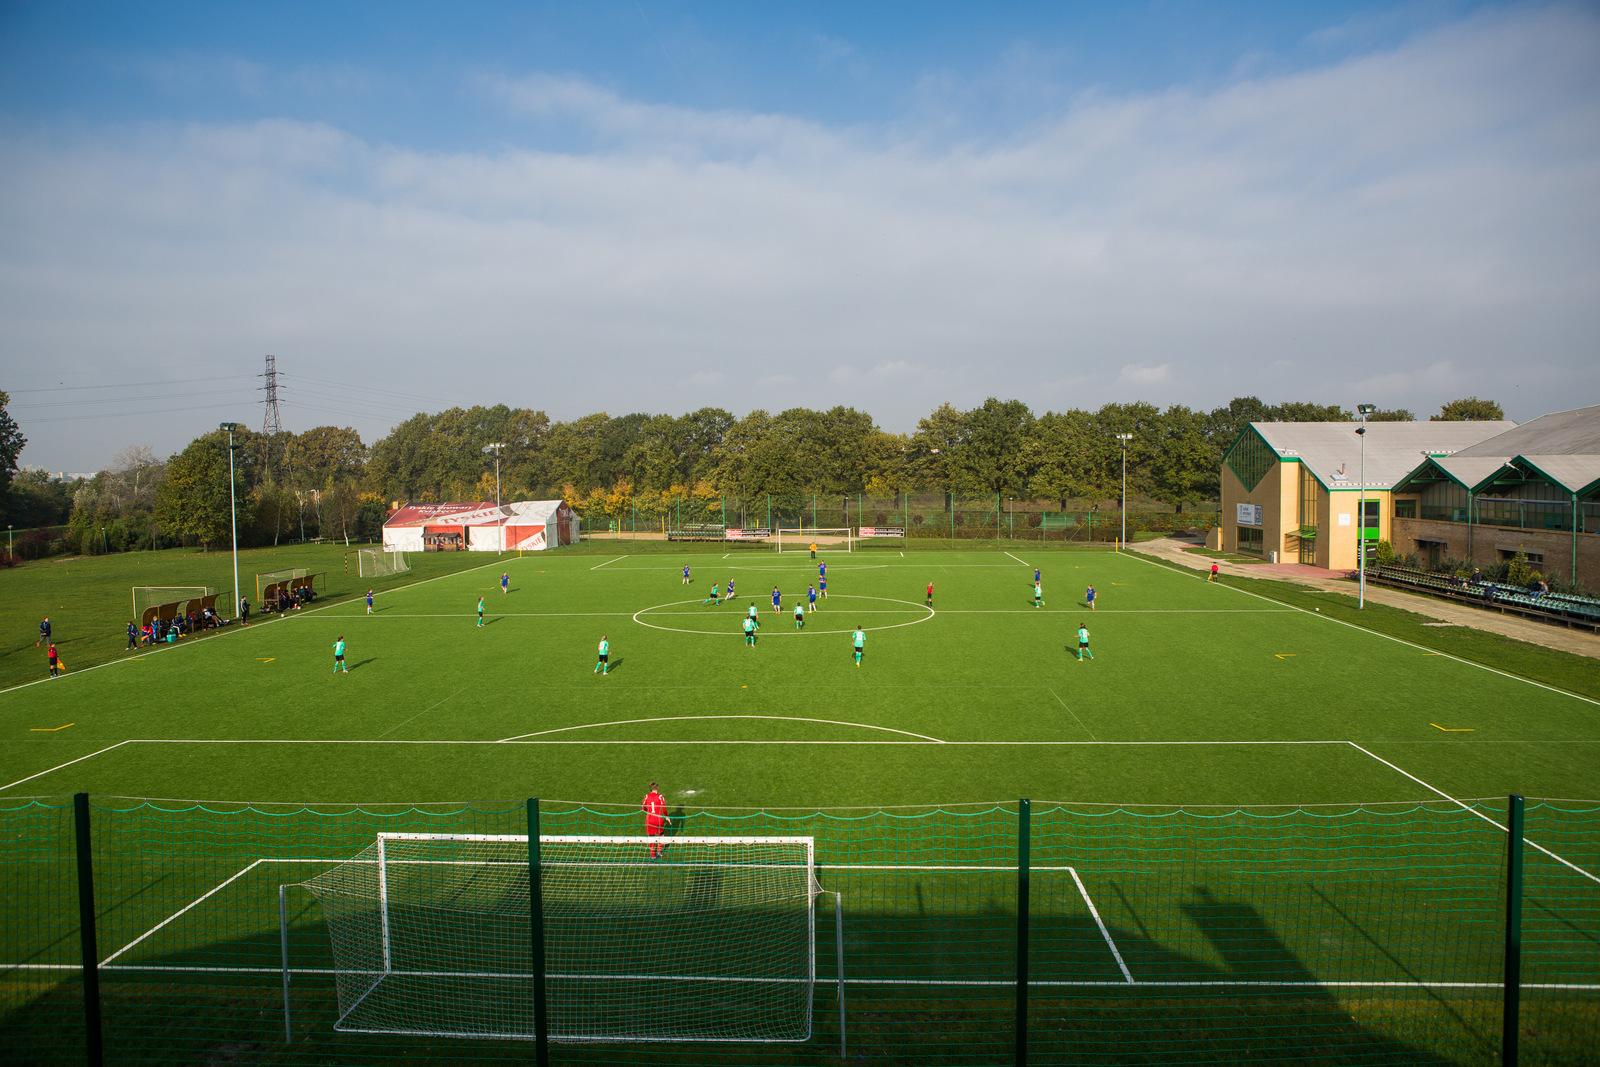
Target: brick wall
[{"x": 1487, "y": 543}]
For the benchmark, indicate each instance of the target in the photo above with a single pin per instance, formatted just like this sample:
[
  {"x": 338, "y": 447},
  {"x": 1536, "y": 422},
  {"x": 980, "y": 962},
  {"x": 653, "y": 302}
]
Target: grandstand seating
[{"x": 1568, "y": 609}]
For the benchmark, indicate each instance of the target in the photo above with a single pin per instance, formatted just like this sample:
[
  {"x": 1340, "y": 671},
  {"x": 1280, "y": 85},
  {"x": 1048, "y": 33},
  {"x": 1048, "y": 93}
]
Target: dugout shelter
[{"x": 519, "y": 526}]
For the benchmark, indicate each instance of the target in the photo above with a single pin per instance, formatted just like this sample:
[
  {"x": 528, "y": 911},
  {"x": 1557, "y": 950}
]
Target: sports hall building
[{"x": 1476, "y": 492}]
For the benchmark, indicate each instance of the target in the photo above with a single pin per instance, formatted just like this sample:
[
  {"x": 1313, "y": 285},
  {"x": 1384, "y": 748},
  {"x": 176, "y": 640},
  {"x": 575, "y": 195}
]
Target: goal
[
  {"x": 377, "y": 562},
  {"x": 832, "y": 538},
  {"x": 714, "y": 941},
  {"x": 150, "y": 600}
]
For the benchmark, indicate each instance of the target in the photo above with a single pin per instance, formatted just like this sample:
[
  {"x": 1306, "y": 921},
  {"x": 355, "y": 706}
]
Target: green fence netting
[{"x": 1372, "y": 934}]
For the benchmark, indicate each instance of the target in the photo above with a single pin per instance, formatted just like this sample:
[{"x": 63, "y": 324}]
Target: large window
[
  {"x": 1250, "y": 459},
  {"x": 1250, "y": 539},
  {"x": 1308, "y": 516},
  {"x": 1405, "y": 508}
]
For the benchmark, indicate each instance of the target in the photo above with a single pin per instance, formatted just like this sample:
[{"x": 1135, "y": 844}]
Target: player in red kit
[{"x": 655, "y": 818}]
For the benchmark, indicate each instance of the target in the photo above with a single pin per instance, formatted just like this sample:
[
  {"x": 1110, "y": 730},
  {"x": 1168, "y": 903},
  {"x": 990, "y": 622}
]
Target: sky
[{"x": 656, "y": 207}]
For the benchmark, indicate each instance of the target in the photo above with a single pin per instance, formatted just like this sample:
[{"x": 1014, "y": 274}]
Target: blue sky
[{"x": 649, "y": 206}]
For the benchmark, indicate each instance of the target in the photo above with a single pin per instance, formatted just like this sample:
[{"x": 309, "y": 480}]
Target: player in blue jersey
[
  {"x": 777, "y": 601},
  {"x": 1088, "y": 597},
  {"x": 369, "y": 602},
  {"x": 822, "y": 587},
  {"x": 730, "y": 588},
  {"x": 811, "y": 598},
  {"x": 505, "y": 582},
  {"x": 685, "y": 574}
]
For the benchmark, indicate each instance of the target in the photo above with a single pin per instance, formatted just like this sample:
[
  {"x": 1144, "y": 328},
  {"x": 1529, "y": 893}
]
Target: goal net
[
  {"x": 152, "y": 600},
  {"x": 713, "y": 941},
  {"x": 833, "y": 539},
  {"x": 377, "y": 562}
]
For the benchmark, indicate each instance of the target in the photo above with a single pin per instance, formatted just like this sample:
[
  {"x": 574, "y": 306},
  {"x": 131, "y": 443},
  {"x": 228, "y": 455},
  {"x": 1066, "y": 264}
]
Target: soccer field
[{"x": 1257, "y": 828}]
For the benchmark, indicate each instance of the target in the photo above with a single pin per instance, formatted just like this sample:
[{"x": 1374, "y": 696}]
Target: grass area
[
  {"x": 1251, "y": 783},
  {"x": 88, "y": 598}
]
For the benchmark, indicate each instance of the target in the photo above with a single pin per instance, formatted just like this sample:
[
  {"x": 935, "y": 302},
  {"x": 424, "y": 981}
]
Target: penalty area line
[
  {"x": 62, "y": 766},
  {"x": 607, "y": 563},
  {"x": 1468, "y": 808},
  {"x": 1020, "y": 560},
  {"x": 922, "y": 738}
]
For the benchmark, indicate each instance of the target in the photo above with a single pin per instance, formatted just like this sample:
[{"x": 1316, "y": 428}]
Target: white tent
[{"x": 523, "y": 525}]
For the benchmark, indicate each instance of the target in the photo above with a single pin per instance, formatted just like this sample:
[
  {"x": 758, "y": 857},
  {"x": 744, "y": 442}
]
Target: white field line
[
  {"x": 1095, "y": 913},
  {"x": 236, "y": 629},
  {"x": 1020, "y": 560},
  {"x": 1074, "y": 715},
  {"x": 1387, "y": 637},
  {"x": 650, "y": 741},
  {"x": 1007, "y": 983},
  {"x": 59, "y": 766},
  {"x": 379, "y": 616},
  {"x": 219, "y": 887},
  {"x": 682, "y": 718},
  {"x": 606, "y": 563},
  {"x": 1465, "y": 807}
]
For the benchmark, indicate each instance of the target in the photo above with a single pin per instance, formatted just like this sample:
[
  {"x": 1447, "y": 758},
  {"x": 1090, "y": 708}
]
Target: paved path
[{"x": 1580, "y": 642}]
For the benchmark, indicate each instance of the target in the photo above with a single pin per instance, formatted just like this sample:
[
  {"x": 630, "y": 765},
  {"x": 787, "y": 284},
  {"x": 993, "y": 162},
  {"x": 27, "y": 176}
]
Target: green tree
[
  {"x": 192, "y": 503},
  {"x": 1187, "y": 464},
  {"x": 1061, "y": 465},
  {"x": 1467, "y": 409},
  {"x": 11, "y": 445},
  {"x": 989, "y": 456},
  {"x": 1392, "y": 415},
  {"x": 323, "y": 454},
  {"x": 1305, "y": 411}
]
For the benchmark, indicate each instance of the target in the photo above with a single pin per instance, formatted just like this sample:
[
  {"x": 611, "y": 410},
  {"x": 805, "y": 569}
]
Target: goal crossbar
[
  {"x": 430, "y": 931},
  {"x": 801, "y": 538}
]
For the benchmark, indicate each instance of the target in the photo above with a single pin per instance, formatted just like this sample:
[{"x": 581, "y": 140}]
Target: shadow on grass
[{"x": 905, "y": 930}]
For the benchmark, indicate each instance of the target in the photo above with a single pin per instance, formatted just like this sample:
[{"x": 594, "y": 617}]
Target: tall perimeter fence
[
  {"x": 1012, "y": 933},
  {"x": 923, "y": 516}
]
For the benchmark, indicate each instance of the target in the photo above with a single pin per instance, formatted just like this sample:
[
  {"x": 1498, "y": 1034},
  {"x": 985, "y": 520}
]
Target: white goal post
[
  {"x": 714, "y": 940},
  {"x": 377, "y": 562},
  {"x": 826, "y": 538}
]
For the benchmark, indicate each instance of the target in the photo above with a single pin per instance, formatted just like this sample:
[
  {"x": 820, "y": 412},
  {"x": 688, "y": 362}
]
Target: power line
[
  {"x": 129, "y": 385},
  {"x": 30, "y": 404},
  {"x": 124, "y": 414}
]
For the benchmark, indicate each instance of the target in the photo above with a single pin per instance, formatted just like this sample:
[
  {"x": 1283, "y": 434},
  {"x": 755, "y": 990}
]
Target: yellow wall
[
  {"x": 1280, "y": 508},
  {"x": 1336, "y": 545}
]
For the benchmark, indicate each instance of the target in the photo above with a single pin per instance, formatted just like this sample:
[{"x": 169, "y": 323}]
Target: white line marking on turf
[
  {"x": 681, "y": 718},
  {"x": 1007, "y": 983},
  {"x": 1074, "y": 715},
  {"x": 236, "y": 629},
  {"x": 1020, "y": 560},
  {"x": 1386, "y": 637},
  {"x": 58, "y": 767},
  {"x": 607, "y": 563},
  {"x": 198, "y": 900},
  {"x": 1466, "y": 807},
  {"x": 1095, "y": 912}
]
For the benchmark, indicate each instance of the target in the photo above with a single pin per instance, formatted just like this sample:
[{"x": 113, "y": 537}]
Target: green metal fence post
[
  {"x": 1513, "y": 965},
  {"x": 94, "y": 1050},
  {"x": 1023, "y": 860},
  {"x": 541, "y": 1016}
]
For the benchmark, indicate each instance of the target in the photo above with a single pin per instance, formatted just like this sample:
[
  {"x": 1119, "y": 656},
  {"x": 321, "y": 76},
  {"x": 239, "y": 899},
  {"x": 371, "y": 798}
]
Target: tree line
[{"x": 325, "y": 482}]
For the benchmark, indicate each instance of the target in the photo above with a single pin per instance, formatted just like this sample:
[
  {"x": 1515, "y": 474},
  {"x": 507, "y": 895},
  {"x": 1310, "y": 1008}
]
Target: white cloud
[{"x": 1366, "y": 223}]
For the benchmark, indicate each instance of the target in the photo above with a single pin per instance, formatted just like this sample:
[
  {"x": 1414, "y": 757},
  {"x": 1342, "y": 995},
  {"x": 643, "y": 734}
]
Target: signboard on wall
[{"x": 1250, "y": 514}]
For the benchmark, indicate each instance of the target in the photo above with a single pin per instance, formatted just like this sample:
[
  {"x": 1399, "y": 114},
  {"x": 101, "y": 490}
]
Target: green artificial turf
[{"x": 1250, "y": 781}]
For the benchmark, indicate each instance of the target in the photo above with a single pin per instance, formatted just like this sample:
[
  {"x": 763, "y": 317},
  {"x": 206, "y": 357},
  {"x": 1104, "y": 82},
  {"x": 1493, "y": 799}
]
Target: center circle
[{"x": 731, "y": 629}]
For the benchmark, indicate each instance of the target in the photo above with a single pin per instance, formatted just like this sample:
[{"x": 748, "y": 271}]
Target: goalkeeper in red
[{"x": 656, "y": 819}]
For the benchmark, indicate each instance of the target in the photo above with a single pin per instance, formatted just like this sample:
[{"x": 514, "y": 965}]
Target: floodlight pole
[
  {"x": 233, "y": 515},
  {"x": 1124, "y": 438},
  {"x": 1361, "y": 510},
  {"x": 495, "y": 448}
]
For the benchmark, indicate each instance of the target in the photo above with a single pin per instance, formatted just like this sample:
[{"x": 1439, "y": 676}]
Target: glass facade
[
  {"x": 1250, "y": 459},
  {"x": 1250, "y": 539},
  {"x": 1308, "y": 516}
]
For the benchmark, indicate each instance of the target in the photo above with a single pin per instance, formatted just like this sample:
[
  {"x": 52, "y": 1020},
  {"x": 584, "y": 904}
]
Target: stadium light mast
[
  {"x": 233, "y": 515},
  {"x": 496, "y": 448},
  {"x": 1364, "y": 410},
  {"x": 1124, "y": 438}
]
